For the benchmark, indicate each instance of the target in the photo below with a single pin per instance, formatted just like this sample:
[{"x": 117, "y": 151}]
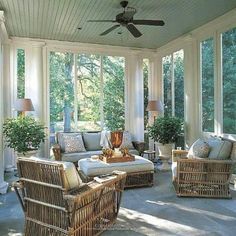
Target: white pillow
[
  {"x": 74, "y": 144},
  {"x": 127, "y": 140},
  {"x": 199, "y": 149}
]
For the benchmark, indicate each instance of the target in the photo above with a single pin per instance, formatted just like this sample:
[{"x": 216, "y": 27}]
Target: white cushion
[
  {"x": 92, "y": 167},
  {"x": 174, "y": 169},
  {"x": 127, "y": 140},
  {"x": 74, "y": 143},
  {"x": 199, "y": 149},
  {"x": 74, "y": 157},
  {"x": 72, "y": 179},
  {"x": 219, "y": 149}
]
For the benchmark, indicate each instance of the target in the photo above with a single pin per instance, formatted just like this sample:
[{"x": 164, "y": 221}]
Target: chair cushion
[
  {"x": 74, "y": 157},
  {"x": 219, "y": 149},
  {"x": 60, "y": 138},
  {"x": 199, "y": 149},
  {"x": 127, "y": 140},
  {"x": 92, "y": 141},
  {"x": 92, "y": 167},
  {"x": 72, "y": 179},
  {"x": 74, "y": 143}
]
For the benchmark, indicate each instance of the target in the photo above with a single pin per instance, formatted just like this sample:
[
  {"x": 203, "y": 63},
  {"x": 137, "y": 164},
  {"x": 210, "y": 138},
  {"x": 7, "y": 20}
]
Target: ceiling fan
[{"x": 126, "y": 19}]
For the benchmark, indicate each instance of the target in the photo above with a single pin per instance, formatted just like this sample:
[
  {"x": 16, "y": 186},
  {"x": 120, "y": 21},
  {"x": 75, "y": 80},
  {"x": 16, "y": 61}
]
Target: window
[
  {"x": 207, "y": 80},
  {"x": 173, "y": 84},
  {"x": 229, "y": 80},
  {"x": 20, "y": 73},
  {"x": 145, "y": 93},
  {"x": 92, "y": 99}
]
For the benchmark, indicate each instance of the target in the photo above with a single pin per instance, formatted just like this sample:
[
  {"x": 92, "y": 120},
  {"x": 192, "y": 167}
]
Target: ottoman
[{"x": 139, "y": 172}]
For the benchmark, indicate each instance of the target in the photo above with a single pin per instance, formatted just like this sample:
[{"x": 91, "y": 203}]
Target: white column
[
  {"x": 3, "y": 184},
  {"x": 134, "y": 97},
  {"x": 34, "y": 82},
  {"x": 191, "y": 91}
]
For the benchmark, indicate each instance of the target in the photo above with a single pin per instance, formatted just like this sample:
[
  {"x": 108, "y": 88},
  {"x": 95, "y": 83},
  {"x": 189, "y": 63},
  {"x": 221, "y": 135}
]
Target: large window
[
  {"x": 207, "y": 79},
  {"x": 20, "y": 73},
  {"x": 90, "y": 99},
  {"x": 173, "y": 84},
  {"x": 229, "y": 81},
  {"x": 145, "y": 90}
]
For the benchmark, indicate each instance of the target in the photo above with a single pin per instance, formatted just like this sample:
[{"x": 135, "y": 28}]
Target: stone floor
[{"x": 148, "y": 211}]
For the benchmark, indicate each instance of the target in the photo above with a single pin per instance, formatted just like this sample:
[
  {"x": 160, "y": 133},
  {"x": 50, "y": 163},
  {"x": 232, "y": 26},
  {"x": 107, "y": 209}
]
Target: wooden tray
[{"x": 114, "y": 159}]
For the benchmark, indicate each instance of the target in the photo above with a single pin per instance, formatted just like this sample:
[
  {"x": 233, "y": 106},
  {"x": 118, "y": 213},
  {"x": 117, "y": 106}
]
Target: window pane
[
  {"x": 207, "y": 74},
  {"x": 167, "y": 77},
  {"x": 20, "y": 73},
  {"x": 145, "y": 92},
  {"x": 229, "y": 81},
  {"x": 61, "y": 92},
  {"x": 114, "y": 87},
  {"x": 178, "y": 58},
  {"x": 89, "y": 92}
]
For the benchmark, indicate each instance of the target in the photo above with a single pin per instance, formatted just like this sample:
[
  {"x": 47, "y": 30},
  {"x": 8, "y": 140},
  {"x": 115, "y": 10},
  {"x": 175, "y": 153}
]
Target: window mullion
[{"x": 101, "y": 92}]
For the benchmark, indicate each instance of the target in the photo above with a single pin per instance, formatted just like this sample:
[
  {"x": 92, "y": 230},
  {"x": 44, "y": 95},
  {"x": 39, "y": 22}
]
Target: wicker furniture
[
  {"x": 200, "y": 177},
  {"x": 53, "y": 205},
  {"x": 60, "y": 155},
  {"x": 139, "y": 172}
]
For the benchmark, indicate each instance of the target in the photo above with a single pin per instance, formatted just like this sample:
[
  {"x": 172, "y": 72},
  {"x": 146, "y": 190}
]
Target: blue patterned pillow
[{"x": 199, "y": 149}]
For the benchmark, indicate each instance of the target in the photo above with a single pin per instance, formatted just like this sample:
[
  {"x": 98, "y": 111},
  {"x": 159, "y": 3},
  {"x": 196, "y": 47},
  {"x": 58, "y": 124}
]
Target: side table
[{"x": 151, "y": 155}]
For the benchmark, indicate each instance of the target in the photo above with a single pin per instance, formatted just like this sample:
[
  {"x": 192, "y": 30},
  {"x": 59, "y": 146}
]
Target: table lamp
[{"x": 23, "y": 104}]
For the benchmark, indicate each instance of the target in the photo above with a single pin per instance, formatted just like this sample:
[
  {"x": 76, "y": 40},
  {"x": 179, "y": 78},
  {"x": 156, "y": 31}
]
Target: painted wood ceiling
[{"x": 60, "y": 19}]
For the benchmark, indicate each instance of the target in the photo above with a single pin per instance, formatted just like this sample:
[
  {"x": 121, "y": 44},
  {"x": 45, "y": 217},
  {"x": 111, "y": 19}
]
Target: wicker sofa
[
  {"x": 92, "y": 144},
  {"x": 55, "y": 202},
  {"x": 202, "y": 177}
]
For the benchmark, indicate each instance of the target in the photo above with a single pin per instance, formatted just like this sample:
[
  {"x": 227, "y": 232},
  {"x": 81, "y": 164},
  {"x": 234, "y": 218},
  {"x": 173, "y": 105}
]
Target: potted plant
[
  {"x": 165, "y": 131},
  {"x": 23, "y": 134}
]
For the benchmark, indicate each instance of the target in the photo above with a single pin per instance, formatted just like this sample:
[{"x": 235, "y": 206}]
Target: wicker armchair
[
  {"x": 200, "y": 177},
  {"x": 53, "y": 205}
]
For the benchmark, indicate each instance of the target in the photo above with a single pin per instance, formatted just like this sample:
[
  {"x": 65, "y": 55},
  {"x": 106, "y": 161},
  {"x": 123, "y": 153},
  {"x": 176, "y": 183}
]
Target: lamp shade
[
  {"x": 155, "y": 105},
  {"x": 24, "y": 104}
]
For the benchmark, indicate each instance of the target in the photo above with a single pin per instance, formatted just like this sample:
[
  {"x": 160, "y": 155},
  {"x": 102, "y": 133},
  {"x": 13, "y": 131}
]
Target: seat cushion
[
  {"x": 199, "y": 149},
  {"x": 74, "y": 157},
  {"x": 133, "y": 151},
  {"x": 72, "y": 179},
  {"x": 219, "y": 149},
  {"x": 92, "y": 167},
  {"x": 92, "y": 141}
]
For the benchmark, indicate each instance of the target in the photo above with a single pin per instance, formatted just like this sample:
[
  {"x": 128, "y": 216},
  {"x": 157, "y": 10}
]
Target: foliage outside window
[
  {"x": 20, "y": 73},
  {"x": 93, "y": 98},
  {"x": 207, "y": 76},
  {"x": 173, "y": 84},
  {"x": 145, "y": 91}
]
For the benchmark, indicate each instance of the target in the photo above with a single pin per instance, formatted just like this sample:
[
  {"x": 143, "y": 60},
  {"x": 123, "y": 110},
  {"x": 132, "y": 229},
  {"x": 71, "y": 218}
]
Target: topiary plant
[
  {"x": 23, "y": 134},
  {"x": 165, "y": 130}
]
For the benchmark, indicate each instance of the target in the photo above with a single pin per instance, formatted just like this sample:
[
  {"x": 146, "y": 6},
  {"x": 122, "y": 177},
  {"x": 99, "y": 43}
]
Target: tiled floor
[{"x": 148, "y": 211}]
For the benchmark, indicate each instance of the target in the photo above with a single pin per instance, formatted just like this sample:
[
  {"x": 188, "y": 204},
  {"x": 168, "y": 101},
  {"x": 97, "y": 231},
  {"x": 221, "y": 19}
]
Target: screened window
[
  {"x": 207, "y": 79},
  {"x": 20, "y": 73},
  {"x": 229, "y": 80},
  {"x": 145, "y": 89}
]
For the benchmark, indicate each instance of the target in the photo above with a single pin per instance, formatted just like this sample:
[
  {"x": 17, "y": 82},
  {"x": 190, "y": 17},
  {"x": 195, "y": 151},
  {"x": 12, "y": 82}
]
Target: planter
[
  {"x": 27, "y": 154},
  {"x": 166, "y": 149}
]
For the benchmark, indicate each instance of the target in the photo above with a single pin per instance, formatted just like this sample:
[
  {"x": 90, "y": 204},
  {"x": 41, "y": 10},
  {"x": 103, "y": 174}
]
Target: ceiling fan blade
[
  {"x": 148, "y": 22},
  {"x": 134, "y": 31},
  {"x": 101, "y": 21},
  {"x": 109, "y": 30}
]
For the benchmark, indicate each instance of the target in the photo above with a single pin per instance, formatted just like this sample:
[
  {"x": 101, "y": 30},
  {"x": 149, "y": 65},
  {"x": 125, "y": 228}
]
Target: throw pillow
[
  {"x": 92, "y": 141},
  {"x": 219, "y": 149},
  {"x": 61, "y": 139},
  {"x": 199, "y": 149},
  {"x": 127, "y": 140},
  {"x": 74, "y": 144}
]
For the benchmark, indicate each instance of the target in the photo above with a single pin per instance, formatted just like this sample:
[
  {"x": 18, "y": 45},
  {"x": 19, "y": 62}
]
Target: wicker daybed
[
  {"x": 201, "y": 177},
  {"x": 55, "y": 205}
]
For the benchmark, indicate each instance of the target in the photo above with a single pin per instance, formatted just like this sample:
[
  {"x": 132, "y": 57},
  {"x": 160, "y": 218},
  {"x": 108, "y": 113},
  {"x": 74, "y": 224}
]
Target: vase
[{"x": 116, "y": 138}]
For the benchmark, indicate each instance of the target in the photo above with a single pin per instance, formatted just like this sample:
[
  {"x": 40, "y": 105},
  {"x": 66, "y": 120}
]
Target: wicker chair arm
[
  {"x": 57, "y": 152},
  {"x": 85, "y": 190},
  {"x": 179, "y": 154},
  {"x": 139, "y": 146}
]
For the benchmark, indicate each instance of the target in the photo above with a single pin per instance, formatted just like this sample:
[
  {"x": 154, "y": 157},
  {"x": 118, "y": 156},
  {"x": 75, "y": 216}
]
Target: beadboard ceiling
[{"x": 59, "y": 19}]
